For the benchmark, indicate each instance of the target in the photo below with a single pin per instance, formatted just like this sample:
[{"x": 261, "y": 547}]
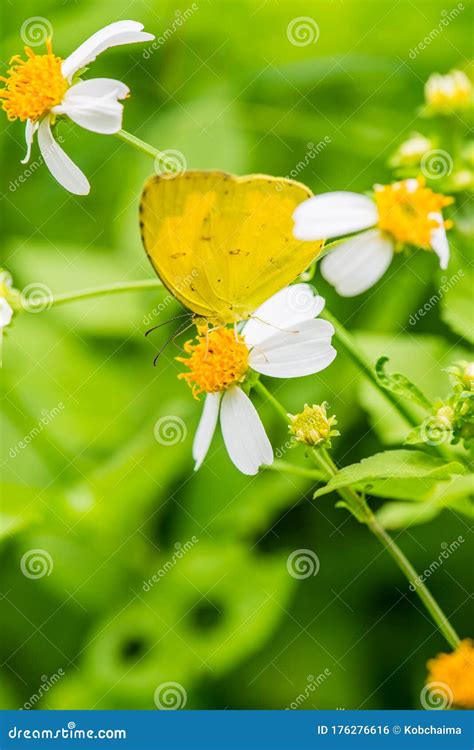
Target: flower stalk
[{"x": 359, "y": 508}]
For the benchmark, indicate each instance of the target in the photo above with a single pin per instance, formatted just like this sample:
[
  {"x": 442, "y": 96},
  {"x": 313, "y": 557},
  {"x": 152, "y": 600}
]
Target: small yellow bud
[
  {"x": 312, "y": 426},
  {"x": 446, "y": 415}
]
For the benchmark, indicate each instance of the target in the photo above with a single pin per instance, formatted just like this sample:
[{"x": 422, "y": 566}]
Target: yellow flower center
[
  {"x": 312, "y": 426},
  {"x": 405, "y": 211},
  {"x": 217, "y": 359},
  {"x": 33, "y": 86},
  {"x": 456, "y": 671}
]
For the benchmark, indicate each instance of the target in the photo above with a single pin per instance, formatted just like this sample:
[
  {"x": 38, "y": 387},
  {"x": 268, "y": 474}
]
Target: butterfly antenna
[
  {"x": 180, "y": 330},
  {"x": 165, "y": 322}
]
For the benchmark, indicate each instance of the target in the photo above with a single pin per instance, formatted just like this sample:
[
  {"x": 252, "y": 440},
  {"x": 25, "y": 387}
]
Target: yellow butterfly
[{"x": 223, "y": 244}]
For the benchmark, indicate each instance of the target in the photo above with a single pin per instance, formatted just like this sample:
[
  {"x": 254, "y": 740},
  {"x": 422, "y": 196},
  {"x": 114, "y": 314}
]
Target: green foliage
[
  {"x": 389, "y": 466},
  {"x": 94, "y": 487},
  {"x": 399, "y": 384},
  {"x": 456, "y": 306}
]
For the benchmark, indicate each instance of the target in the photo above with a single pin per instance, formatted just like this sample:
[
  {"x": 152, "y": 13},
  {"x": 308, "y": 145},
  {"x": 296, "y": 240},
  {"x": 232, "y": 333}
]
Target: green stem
[
  {"x": 46, "y": 302},
  {"x": 162, "y": 160},
  {"x": 359, "y": 508},
  {"x": 299, "y": 471},
  {"x": 265, "y": 393},
  {"x": 360, "y": 360}
]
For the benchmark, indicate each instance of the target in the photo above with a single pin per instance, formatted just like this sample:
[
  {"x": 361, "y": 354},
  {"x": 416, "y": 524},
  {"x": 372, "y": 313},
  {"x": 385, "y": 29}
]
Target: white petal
[
  {"x": 59, "y": 164},
  {"x": 244, "y": 435},
  {"x": 358, "y": 263},
  {"x": 295, "y": 353},
  {"x": 333, "y": 215},
  {"x": 120, "y": 32},
  {"x": 30, "y": 129},
  {"x": 439, "y": 241},
  {"x": 98, "y": 87},
  {"x": 6, "y": 313},
  {"x": 206, "y": 428},
  {"x": 93, "y": 104},
  {"x": 286, "y": 308}
]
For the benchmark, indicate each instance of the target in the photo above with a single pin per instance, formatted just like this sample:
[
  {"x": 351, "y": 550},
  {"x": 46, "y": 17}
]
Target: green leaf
[
  {"x": 457, "y": 493},
  {"x": 456, "y": 306},
  {"x": 400, "y": 384},
  {"x": 390, "y": 465},
  {"x": 401, "y": 515}
]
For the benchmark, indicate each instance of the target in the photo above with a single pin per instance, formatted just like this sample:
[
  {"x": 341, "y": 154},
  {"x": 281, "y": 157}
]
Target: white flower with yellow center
[
  {"x": 6, "y": 291},
  {"x": 401, "y": 214},
  {"x": 283, "y": 340},
  {"x": 448, "y": 93},
  {"x": 41, "y": 88}
]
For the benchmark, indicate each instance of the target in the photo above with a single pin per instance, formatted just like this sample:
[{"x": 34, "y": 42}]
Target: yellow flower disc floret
[
  {"x": 312, "y": 426},
  {"x": 33, "y": 86},
  {"x": 456, "y": 670},
  {"x": 217, "y": 359},
  {"x": 405, "y": 211}
]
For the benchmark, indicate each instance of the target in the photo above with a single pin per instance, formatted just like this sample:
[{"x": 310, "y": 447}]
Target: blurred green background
[{"x": 99, "y": 493}]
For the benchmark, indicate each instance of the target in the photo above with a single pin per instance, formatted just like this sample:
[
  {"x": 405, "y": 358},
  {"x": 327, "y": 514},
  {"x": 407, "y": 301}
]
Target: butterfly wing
[{"x": 223, "y": 244}]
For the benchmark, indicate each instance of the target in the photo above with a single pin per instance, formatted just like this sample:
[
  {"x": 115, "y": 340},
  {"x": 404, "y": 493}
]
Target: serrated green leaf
[
  {"x": 399, "y": 384},
  {"x": 390, "y": 465}
]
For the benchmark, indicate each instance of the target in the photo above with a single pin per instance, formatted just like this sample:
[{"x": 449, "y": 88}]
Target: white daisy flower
[
  {"x": 6, "y": 291},
  {"x": 282, "y": 339},
  {"x": 42, "y": 88},
  {"x": 448, "y": 93},
  {"x": 403, "y": 213}
]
